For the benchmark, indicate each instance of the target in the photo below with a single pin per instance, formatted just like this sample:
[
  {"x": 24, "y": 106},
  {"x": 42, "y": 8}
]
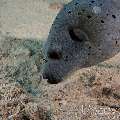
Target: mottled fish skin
[{"x": 84, "y": 33}]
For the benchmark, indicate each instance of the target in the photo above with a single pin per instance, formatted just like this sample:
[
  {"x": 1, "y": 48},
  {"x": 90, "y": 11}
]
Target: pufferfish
[{"x": 84, "y": 33}]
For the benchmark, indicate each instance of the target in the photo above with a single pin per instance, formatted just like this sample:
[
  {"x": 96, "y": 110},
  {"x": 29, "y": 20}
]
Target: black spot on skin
[
  {"x": 76, "y": 3},
  {"x": 89, "y": 16},
  {"x": 114, "y": 16},
  {"x": 69, "y": 12},
  {"x": 101, "y": 4},
  {"x": 90, "y": 4},
  {"x": 89, "y": 47},
  {"x": 56, "y": 17},
  {"x": 83, "y": 10},
  {"x": 66, "y": 58},
  {"x": 108, "y": 33},
  {"x": 92, "y": 1},
  {"x": 79, "y": 13},
  {"x": 116, "y": 42},
  {"x": 102, "y": 21}
]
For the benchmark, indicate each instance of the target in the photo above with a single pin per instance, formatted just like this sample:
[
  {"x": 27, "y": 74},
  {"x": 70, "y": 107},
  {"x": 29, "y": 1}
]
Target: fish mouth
[
  {"x": 51, "y": 79},
  {"x": 54, "y": 81}
]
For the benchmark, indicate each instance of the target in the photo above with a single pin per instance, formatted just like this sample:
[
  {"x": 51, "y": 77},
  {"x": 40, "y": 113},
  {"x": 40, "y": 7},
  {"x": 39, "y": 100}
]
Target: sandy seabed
[{"x": 88, "y": 94}]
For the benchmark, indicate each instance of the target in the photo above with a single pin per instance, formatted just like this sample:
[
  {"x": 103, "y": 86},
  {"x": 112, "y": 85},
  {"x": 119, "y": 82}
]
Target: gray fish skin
[{"x": 84, "y": 33}]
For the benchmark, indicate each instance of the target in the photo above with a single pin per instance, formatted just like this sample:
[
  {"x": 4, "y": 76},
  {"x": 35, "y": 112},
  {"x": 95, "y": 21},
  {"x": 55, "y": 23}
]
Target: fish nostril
[{"x": 56, "y": 55}]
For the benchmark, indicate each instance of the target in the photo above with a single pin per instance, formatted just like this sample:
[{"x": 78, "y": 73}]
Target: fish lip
[
  {"x": 51, "y": 79},
  {"x": 54, "y": 81}
]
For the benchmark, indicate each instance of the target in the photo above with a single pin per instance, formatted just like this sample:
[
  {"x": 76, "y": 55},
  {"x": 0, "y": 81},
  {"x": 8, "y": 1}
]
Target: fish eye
[{"x": 77, "y": 35}]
